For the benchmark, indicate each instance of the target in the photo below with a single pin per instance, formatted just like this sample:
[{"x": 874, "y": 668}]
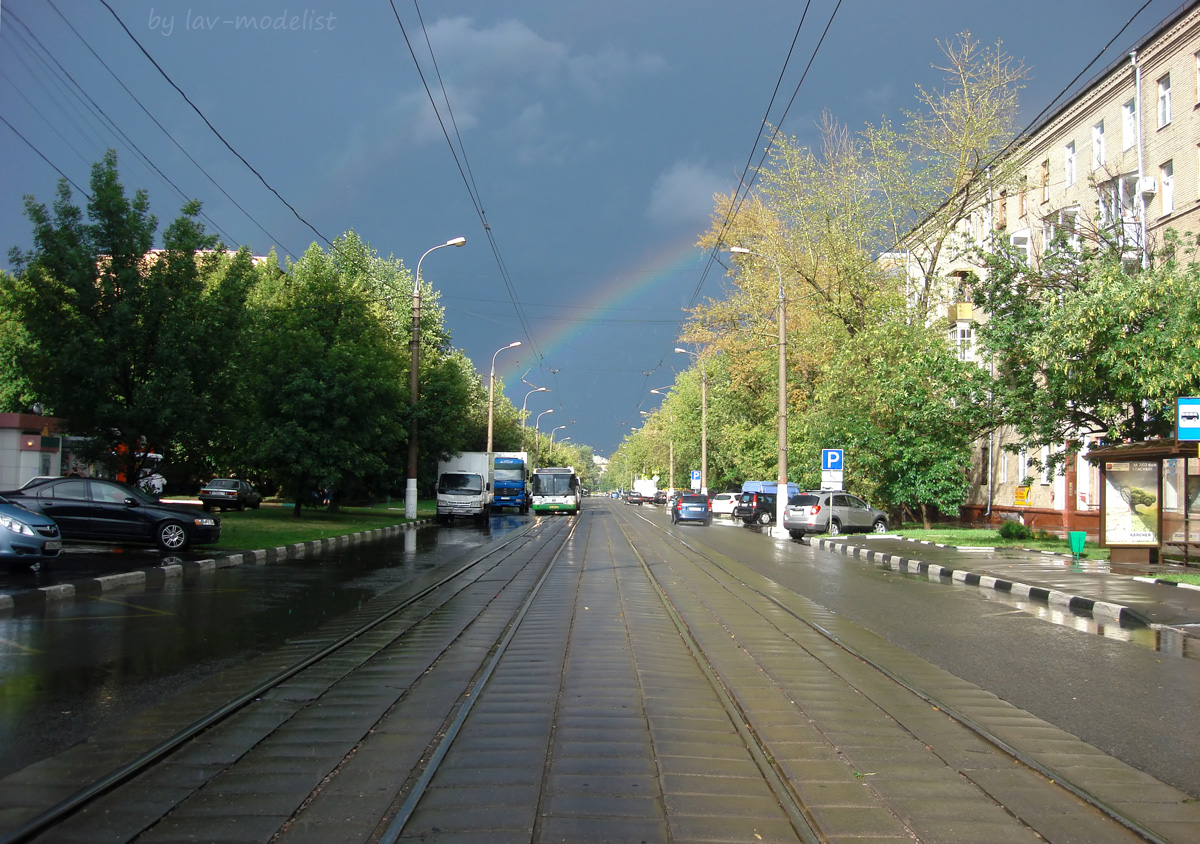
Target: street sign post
[{"x": 832, "y": 475}]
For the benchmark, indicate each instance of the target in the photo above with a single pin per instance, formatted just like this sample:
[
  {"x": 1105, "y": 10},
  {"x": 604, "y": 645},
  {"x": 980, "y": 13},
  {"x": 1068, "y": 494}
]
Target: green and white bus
[{"x": 555, "y": 490}]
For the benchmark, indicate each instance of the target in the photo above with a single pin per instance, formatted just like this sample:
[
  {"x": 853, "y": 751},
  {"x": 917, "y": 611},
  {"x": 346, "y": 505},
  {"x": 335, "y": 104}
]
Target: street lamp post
[
  {"x": 703, "y": 420},
  {"x": 492, "y": 404},
  {"x": 781, "y": 490},
  {"x": 550, "y": 448},
  {"x": 537, "y": 443},
  {"x": 658, "y": 391},
  {"x": 523, "y": 403},
  {"x": 410, "y": 488}
]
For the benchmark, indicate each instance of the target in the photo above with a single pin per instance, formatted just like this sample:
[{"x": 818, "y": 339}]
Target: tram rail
[{"x": 625, "y": 579}]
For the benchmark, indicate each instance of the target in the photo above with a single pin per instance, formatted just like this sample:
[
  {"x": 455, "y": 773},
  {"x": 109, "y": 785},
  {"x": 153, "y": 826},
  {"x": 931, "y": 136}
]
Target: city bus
[{"x": 555, "y": 490}]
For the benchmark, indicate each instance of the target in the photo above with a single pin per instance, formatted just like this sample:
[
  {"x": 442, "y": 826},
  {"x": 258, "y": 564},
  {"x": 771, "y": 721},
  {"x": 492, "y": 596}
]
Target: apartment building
[{"x": 1122, "y": 156}]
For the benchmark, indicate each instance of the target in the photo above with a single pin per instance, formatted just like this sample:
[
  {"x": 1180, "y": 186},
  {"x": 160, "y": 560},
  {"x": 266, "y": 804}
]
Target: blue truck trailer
[{"x": 510, "y": 480}]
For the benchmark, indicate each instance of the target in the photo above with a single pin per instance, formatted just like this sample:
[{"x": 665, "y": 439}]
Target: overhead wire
[
  {"x": 78, "y": 90},
  {"x": 211, "y": 127},
  {"x": 171, "y": 137},
  {"x": 468, "y": 180}
]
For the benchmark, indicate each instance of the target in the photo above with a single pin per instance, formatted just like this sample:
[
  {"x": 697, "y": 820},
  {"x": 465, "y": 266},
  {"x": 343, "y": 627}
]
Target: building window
[
  {"x": 1098, "y": 145},
  {"x": 1166, "y": 186},
  {"x": 1045, "y": 176},
  {"x": 1129, "y": 127},
  {"x": 1047, "y": 477},
  {"x": 1022, "y": 466},
  {"x": 964, "y": 340},
  {"x": 1003, "y": 466},
  {"x": 1002, "y": 210},
  {"x": 1164, "y": 101},
  {"x": 1022, "y": 208},
  {"x": 1020, "y": 242},
  {"x": 1069, "y": 164}
]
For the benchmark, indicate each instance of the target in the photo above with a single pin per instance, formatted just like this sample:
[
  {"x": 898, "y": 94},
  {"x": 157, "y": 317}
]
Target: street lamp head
[
  {"x": 513, "y": 344},
  {"x": 457, "y": 241}
]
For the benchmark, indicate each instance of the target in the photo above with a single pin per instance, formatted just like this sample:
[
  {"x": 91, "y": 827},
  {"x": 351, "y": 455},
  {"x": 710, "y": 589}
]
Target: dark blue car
[{"x": 691, "y": 508}]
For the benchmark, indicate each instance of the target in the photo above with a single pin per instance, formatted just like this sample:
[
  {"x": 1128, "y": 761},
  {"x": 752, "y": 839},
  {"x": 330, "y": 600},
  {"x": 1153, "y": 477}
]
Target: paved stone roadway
[{"x": 599, "y": 725}]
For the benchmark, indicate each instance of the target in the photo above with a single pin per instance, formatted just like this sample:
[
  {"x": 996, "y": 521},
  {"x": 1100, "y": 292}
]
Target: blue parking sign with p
[{"x": 831, "y": 459}]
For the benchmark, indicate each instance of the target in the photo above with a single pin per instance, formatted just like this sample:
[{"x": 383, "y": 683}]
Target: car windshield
[
  {"x": 509, "y": 474},
  {"x": 460, "y": 483}
]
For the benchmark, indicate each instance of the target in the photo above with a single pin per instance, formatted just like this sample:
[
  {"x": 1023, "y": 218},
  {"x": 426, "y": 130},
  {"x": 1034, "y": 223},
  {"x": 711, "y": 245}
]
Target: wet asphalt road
[
  {"x": 67, "y": 672},
  {"x": 65, "y": 675}
]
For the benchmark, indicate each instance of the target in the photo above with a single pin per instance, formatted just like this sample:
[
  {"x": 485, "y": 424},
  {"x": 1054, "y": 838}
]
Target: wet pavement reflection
[{"x": 65, "y": 671}]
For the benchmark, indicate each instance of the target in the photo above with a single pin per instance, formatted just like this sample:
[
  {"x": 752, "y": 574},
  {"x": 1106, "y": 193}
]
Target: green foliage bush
[{"x": 1015, "y": 530}]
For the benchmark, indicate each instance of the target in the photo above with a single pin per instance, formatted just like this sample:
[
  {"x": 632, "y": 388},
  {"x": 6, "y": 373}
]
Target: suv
[
  {"x": 832, "y": 512},
  {"x": 755, "y": 507}
]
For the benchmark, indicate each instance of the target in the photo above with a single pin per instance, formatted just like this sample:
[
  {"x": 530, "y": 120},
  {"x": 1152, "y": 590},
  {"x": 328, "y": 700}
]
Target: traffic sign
[
  {"x": 1187, "y": 418},
  {"x": 695, "y": 479},
  {"x": 831, "y": 459}
]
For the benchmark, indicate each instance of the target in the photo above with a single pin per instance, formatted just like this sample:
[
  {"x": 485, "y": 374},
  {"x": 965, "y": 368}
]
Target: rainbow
[{"x": 677, "y": 266}]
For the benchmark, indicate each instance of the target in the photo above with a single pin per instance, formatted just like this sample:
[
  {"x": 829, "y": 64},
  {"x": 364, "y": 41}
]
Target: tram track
[
  {"x": 594, "y": 677},
  {"x": 734, "y": 578},
  {"x": 439, "y": 589}
]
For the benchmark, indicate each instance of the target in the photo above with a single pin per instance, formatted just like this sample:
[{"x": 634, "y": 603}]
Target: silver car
[{"x": 832, "y": 512}]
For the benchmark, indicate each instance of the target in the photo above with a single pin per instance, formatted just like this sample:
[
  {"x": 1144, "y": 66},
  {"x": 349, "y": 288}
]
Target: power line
[
  {"x": 208, "y": 123},
  {"x": 179, "y": 146}
]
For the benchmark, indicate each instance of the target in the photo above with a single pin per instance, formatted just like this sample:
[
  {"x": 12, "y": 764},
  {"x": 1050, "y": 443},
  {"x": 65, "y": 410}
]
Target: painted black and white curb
[
  {"x": 1099, "y": 609},
  {"x": 156, "y": 576}
]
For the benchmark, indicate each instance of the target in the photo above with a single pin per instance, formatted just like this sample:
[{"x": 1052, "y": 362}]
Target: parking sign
[
  {"x": 831, "y": 459},
  {"x": 695, "y": 479}
]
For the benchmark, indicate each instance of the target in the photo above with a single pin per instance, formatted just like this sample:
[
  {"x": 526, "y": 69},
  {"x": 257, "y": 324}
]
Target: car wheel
[
  {"x": 747, "y": 520},
  {"x": 241, "y": 507},
  {"x": 835, "y": 527},
  {"x": 764, "y": 518},
  {"x": 796, "y": 534},
  {"x": 171, "y": 536},
  {"x": 880, "y": 526},
  {"x": 256, "y": 504}
]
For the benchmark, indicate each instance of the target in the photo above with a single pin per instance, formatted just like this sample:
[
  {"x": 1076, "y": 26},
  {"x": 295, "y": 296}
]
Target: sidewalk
[{"x": 1088, "y": 585}]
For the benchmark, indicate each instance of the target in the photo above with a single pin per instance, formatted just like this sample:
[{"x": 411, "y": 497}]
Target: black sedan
[
  {"x": 229, "y": 493},
  {"x": 692, "y": 508},
  {"x": 108, "y": 511}
]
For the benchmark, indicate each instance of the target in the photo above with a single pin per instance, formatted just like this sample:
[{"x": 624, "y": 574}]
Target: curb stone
[
  {"x": 1105, "y": 609},
  {"x": 158, "y": 575}
]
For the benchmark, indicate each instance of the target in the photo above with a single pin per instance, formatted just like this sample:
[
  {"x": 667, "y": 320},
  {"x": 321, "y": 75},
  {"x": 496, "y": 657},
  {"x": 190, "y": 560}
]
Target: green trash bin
[{"x": 1076, "y": 538}]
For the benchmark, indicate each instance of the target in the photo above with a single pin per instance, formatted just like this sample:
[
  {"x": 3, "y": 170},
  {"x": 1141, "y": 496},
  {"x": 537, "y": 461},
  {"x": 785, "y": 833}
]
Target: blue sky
[{"x": 595, "y": 136}]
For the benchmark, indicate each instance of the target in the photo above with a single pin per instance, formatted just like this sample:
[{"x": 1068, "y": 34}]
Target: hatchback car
[
  {"x": 724, "y": 502},
  {"x": 26, "y": 538},
  {"x": 109, "y": 511},
  {"x": 756, "y": 507},
  {"x": 832, "y": 512},
  {"x": 692, "y": 508},
  {"x": 229, "y": 494}
]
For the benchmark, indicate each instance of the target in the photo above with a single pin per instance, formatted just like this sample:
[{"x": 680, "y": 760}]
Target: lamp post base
[{"x": 410, "y": 499}]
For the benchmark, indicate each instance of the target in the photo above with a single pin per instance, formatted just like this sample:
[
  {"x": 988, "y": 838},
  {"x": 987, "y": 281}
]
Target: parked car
[
  {"x": 229, "y": 494},
  {"x": 692, "y": 507},
  {"x": 635, "y": 497},
  {"x": 724, "y": 502},
  {"x": 26, "y": 538},
  {"x": 110, "y": 511},
  {"x": 755, "y": 507},
  {"x": 832, "y": 512},
  {"x": 660, "y": 497}
]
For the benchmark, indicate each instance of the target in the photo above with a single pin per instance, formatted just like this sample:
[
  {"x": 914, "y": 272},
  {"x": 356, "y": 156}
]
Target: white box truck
[{"x": 464, "y": 487}]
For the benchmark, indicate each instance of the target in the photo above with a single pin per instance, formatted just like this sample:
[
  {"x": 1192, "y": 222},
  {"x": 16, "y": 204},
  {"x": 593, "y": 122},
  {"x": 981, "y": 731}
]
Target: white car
[{"x": 723, "y": 504}]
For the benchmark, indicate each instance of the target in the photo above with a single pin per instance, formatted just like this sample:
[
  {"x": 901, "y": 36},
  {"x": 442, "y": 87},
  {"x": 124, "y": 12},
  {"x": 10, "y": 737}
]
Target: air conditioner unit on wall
[{"x": 1147, "y": 184}]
